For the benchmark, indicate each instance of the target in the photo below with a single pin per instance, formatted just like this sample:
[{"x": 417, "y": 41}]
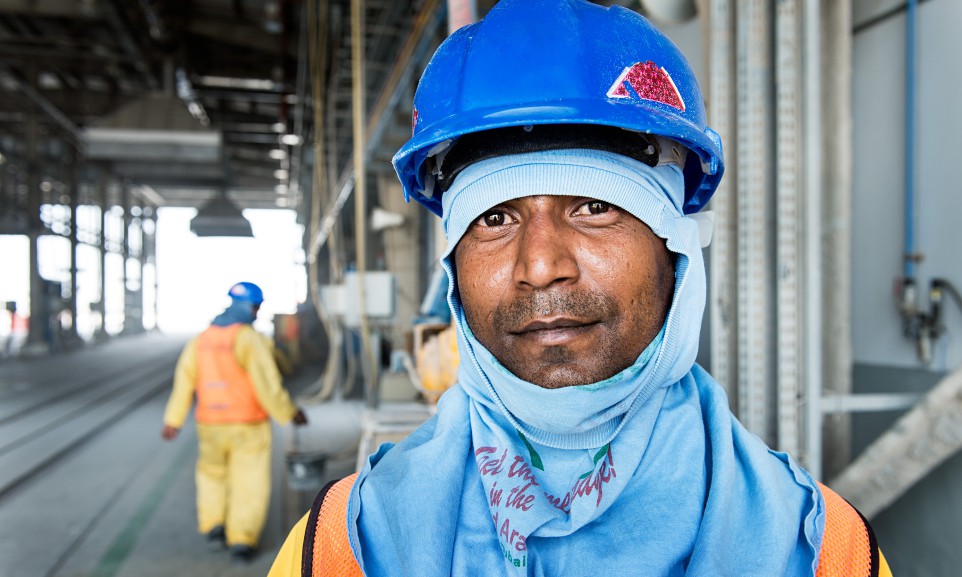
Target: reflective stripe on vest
[
  {"x": 848, "y": 549},
  {"x": 225, "y": 393}
]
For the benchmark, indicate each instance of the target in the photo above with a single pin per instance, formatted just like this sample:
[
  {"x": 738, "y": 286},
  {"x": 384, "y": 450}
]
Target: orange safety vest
[
  {"x": 225, "y": 393},
  {"x": 849, "y": 548}
]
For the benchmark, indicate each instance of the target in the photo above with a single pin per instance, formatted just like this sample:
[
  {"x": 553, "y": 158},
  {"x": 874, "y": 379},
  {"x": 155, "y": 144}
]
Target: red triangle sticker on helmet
[{"x": 649, "y": 82}]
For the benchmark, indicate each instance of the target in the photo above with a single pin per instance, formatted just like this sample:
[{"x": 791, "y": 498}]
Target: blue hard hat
[
  {"x": 247, "y": 292},
  {"x": 557, "y": 62}
]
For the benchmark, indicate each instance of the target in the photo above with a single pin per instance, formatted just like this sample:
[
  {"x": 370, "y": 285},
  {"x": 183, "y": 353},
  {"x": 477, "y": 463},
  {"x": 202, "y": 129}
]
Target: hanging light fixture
[{"x": 220, "y": 217}]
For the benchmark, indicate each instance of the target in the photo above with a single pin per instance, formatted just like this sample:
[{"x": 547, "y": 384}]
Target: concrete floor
[{"x": 115, "y": 501}]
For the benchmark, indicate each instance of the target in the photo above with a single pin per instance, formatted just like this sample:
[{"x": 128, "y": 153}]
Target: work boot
[
  {"x": 242, "y": 553},
  {"x": 217, "y": 538}
]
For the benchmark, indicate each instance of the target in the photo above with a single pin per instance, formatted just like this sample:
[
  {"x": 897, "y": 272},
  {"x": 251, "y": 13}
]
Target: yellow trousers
[{"x": 234, "y": 479}]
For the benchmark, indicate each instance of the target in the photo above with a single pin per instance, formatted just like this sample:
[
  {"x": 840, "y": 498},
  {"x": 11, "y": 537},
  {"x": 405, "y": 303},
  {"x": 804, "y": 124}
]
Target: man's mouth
[{"x": 554, "y": 331}]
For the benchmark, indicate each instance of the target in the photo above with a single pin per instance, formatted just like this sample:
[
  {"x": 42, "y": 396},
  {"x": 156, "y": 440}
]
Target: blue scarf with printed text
[{"x": 644, "y": 473}]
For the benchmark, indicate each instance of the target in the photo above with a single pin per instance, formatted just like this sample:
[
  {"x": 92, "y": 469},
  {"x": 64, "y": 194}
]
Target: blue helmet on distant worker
[
  {"x": 247, "y": 292},
  {"x": 622, "y": 89}
]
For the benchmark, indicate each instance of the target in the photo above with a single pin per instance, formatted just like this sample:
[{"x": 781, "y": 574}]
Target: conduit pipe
[
  {"x": 360, "y": 199},
  {"x": 915, "y": 325},
  {"x": 317, "y": 15},
  {"x": 812, "y": 70},
  {"x": 910, "y": 248}
]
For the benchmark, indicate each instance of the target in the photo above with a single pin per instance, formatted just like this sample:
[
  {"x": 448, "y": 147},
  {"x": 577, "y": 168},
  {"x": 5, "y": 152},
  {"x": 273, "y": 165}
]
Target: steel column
[
  {"x": 70, "y": 175},
  {"x": 102, "y": 305},
  {"x": 755, "y": 282},
  {"x": 722, "y": 263},
  {"x": 832, "y": 241},
  {"x": 788, "y": 225},
  {"x": 38, "y": 321}
]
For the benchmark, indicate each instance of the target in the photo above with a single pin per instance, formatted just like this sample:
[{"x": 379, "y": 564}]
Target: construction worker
[
  {"x": 230, "y": 370},
  {"x": 565, "y": 147}
]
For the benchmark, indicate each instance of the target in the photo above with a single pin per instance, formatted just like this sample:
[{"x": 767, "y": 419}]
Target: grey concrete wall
[
  {"x": 879, "y": 169},
  {"x": 918, "y": 533}
]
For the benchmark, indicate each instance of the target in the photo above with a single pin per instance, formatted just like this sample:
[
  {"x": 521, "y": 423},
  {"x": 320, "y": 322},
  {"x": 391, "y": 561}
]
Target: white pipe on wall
[{"x": 813, "y": 240}]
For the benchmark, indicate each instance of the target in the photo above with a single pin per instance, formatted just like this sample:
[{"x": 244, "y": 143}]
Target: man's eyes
[
  {"x": 499, "y": 217},
  {"x": 492, "y": 218},
  {"x": 593, "y": 207}
]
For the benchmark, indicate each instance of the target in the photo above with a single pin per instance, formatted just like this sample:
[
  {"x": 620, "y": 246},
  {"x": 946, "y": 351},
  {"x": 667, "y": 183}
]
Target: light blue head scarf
[
  {"x": 645, "y": 472},
  {"x": 237, "y": 312}
]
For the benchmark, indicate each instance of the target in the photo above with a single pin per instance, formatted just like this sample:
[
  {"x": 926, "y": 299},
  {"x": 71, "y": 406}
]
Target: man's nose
[{"x": 546, "y": 254}]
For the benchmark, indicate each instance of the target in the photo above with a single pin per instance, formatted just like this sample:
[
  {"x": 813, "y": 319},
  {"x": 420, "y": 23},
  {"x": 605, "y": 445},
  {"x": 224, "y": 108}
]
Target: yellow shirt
[
  {"x": 288, "y": 560},
  {"x": 255, "y": 354}
]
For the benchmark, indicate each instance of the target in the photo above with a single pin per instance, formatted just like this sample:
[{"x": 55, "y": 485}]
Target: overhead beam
[
  {"x": 127, "y": 43},
  {"x": 245, "y": 95},
  {"x": 396, "y": 84},
  {"x": 169, "y": 171},
  {"x": 52, "y": 111},
  {"x": 51, "y": 8},
  {"x": 248, "y": 36},
  {"x": 19, "y": 51},
  {"x": 194, "y": 197}
]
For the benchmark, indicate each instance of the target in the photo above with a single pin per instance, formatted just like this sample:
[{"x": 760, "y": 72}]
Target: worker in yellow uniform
[{"x": 230, "y": 370}]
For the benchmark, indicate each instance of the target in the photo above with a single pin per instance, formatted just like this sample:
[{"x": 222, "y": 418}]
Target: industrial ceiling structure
[{"x": 188, "y": 100}]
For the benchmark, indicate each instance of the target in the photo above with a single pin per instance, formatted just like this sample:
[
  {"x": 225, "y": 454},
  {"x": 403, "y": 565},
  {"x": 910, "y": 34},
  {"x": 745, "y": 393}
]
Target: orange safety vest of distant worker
[
  {"x": 225, "y": 392},
  {"x": 848, "y": 548}
]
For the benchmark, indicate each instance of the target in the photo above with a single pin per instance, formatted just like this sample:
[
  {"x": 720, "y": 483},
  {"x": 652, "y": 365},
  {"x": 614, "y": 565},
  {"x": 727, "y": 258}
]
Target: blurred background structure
[{"x": 154, "y": 152}]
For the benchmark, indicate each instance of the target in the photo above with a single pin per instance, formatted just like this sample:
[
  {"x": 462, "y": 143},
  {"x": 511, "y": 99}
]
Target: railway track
[{"x": 59, "y": 410}]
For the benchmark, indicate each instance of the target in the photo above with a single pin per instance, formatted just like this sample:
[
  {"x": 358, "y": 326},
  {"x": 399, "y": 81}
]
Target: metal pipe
[
  {"x": 723, "y": 259},
  {"x": 368, "y": 360},
  {"x": 317, "y": 16},
  {"x": 910, "y": 248},
  {"x": 125, "y": 252},
  {"x": 153, "y": 261},
  {"x": 813, "y": 238},
  {"x": 789, "y": 228},
  {"x": 834, "y": 331},
  {"x": 74, "y": 187},
  {"x": 869, "y": 402},
  {"x": 103, "y": 201}
]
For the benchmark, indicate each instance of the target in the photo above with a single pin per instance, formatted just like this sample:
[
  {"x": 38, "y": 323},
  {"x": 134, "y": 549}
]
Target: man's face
[{"x": 563, "y": 290}]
